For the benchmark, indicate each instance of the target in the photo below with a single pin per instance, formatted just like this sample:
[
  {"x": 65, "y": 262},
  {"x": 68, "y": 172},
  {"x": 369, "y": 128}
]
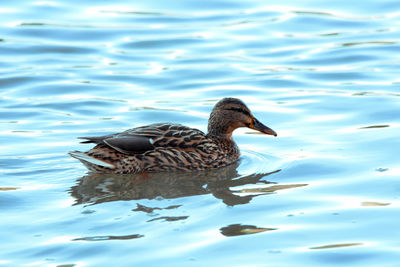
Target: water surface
[{"x": 323, "y": 75}]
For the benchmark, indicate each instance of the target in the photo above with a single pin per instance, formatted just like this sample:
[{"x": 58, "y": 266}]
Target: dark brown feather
[
  {"x": 141, "y": 139},
  {"x": 130, "y": 144}
]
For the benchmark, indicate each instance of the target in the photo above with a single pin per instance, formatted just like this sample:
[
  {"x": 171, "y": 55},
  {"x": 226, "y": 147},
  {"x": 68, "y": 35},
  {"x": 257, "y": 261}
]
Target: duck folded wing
[
  {"x": 147, "y": 138},
  {"x": 131, "y": 144}
]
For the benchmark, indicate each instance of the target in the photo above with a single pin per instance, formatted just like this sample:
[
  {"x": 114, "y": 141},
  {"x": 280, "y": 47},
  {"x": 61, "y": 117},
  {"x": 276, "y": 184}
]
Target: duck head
[{"x": 231, "y": 113}]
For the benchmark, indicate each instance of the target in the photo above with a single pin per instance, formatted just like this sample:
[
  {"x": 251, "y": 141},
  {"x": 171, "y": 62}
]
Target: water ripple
[{"x": 324, "y": 75}]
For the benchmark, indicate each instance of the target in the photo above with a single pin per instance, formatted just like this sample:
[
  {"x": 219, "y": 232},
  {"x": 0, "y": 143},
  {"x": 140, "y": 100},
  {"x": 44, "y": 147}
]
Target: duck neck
[
  {"x": 218, "y": 129},
  {"x": 221, "y": 134},
  {"x": 226, "y": 143},
  {"x": 227, "y": 138}
]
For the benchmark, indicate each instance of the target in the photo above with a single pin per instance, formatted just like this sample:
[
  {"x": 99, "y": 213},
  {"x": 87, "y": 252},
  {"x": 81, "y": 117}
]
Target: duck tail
[{"x": 90, "y": 161}]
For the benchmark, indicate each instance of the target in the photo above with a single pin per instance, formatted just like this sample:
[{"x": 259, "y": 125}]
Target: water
[{"x": 325, "y": 192}]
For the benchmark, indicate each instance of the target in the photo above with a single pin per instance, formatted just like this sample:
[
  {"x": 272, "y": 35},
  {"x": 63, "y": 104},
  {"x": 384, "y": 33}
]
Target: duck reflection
[{"x": 98, "y": 188}]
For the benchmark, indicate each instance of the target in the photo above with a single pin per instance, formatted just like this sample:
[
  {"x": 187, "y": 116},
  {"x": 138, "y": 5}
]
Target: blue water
[{"x": 323, "y": 75}]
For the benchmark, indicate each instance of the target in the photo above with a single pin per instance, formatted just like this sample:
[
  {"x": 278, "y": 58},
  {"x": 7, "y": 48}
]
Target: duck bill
[{"x": 258, "y": 126}]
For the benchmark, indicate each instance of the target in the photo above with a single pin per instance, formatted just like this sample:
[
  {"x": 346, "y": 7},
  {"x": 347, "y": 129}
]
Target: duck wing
[{"x": 141, "y": 139}]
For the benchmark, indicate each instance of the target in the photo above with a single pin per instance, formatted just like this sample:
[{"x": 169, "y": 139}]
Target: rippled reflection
[
  {"x": 105, "y": 238},
  {"x": 238, "y": 229},
  {"x": 98, "y": 188},
  {"x": 322, "y": 73}
]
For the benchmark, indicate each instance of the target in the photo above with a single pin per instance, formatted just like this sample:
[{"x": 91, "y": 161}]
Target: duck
[{"x": 162, "y": 147}]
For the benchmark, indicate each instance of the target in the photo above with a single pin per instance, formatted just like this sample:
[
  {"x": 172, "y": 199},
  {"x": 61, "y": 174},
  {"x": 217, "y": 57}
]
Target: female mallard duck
[{"x": 168, "y": 147}]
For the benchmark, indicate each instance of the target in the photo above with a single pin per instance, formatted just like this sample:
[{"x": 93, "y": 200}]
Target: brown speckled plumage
[{"x": 169, "y": 147}]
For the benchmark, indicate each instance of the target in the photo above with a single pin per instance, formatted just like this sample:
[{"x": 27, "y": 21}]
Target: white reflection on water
[{"x": 324, "y": 75}]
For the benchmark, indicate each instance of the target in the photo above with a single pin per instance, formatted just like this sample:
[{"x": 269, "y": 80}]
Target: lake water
[{"x": 323, "y": 75}]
